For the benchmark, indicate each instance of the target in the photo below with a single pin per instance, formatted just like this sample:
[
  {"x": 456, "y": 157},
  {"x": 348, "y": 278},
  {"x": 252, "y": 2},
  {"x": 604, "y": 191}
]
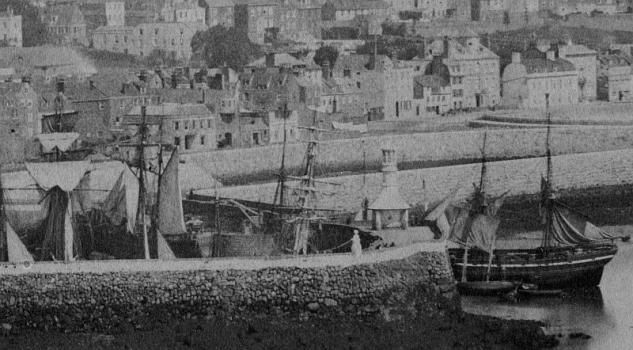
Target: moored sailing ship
[{"x": 572, "y": 252}]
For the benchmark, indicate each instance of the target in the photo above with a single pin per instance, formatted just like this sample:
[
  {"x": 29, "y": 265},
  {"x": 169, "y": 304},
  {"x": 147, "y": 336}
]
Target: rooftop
[
  {"x": 358, "y": 4},
  {"x": 172, "y": 109},
  {"x": 543, "y": 65}
]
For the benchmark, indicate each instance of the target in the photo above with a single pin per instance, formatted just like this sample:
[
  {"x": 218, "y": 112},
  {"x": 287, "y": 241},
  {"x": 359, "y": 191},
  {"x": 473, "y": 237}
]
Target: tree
[
  {"x": 159, "y": 57},
  {"x": 219, "y": 45},
  {"x": 326, "y": 53},
  {"x": 34, "y": 32}
]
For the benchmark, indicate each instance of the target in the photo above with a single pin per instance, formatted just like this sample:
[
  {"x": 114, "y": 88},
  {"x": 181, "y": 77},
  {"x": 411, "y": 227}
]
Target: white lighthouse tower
[{"x": 390, "y": 210}]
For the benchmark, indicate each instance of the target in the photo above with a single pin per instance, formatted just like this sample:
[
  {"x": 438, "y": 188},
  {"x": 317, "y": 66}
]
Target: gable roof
[
  {"x": 358, "y": 4},
  {"x": 543, "y": 65}
]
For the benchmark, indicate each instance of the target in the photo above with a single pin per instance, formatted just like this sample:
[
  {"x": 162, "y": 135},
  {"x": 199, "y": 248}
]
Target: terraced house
[
  {"x": 11, "y": 28},
  {"x": 66, "y": 24}
]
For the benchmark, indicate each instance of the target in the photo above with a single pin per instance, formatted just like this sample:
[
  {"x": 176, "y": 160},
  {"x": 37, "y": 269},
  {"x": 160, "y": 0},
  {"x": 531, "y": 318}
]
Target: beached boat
[{"x": 573, "y": 252}]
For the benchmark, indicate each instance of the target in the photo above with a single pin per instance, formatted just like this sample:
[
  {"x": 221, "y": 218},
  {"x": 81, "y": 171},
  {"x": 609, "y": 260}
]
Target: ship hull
[{"x": 558, "y": 269}]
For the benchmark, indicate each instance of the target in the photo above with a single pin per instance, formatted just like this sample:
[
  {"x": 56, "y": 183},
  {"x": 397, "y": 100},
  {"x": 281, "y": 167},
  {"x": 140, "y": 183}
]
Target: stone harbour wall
[
  {"x": 413, "y": 150},
  {"x": 427, "y": 185},
  {"x": 342, "y": 284}
]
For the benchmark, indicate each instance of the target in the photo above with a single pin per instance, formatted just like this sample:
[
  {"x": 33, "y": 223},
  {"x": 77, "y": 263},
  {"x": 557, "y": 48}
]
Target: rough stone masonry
[{"x": 103, "y": 301}]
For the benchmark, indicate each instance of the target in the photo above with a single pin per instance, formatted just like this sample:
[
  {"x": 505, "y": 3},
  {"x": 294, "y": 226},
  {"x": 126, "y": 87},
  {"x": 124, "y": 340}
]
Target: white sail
[
  {"x": 16, "y": 249},
  {"x": 170, "y": 213}
]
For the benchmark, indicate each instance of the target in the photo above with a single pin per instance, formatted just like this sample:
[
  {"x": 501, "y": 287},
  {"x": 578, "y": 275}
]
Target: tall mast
[
  {"x": 279, "y": 192},
  {"x": 141, "y": 181},
  {"x": 3, "y": 234},
  {"x": 546, "y": 191},
  {"x": 483, "y": 164}
]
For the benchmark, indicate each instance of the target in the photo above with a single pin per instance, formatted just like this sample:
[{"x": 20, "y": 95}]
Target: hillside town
[
  {"x": 307, "y": 160},
  {"x": 345, "y": 64}
]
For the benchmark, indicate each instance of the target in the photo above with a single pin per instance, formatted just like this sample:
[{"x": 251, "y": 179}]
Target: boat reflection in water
[{"x": 605, "y": 313}]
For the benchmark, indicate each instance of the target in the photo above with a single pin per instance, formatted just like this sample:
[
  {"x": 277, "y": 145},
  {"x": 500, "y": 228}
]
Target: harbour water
[{"x": 604, "y": 314}]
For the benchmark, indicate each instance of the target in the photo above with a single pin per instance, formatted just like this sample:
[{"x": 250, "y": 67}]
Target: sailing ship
[
  {"x": 71, "y": 210},
  {"x": 572, "y": 253}
]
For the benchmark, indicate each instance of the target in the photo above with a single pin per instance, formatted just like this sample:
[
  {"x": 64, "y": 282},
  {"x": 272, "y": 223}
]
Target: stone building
[
  {"x": 220, "y": 12},
  {"x": 535, "y": 81},
  {"x": 65, "y": 24},
  {"x": 567, "y": 7},
  {"x": 11, "y": 28},
  {"x": 505, "y": 11},
  {"x": 346, "y": 10},
  {"x": 367, "y": 73},
  {"x": 19, "y": 122},
  {"x": 115, "y": 13},
  {"x": 398, "y": 91},
  {"x": 615, "y": 76},
  {"x": 259, "y": 19},
  {"x": 183, "y": 11},
  {"x": 432, "y": 91},
  {"x": 299, "y": 20},
  {"x": 585, "y": 60},
  {"x": 474, "y": 71},
  {"x": 171, "y": 37},
  {"x": 101, "y": 103},
  {"x": 428, "y": 9},
  {"x": 271, "y": 96},
  {"x": 191, "y": 127}
]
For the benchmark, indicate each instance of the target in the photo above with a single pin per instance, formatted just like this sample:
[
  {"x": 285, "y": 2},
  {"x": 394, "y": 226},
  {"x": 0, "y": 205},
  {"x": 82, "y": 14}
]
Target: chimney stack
[
  {"x": 326, "y": 70},
  {"x": 60, "y": 86},
  {"x": 516, "y": 57},
  {"x": 270, "y": 59}
]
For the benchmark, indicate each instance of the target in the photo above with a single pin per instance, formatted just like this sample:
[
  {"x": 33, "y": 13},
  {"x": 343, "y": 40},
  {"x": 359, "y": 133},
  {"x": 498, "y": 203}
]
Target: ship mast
[
  {"x": 3, "y": 234},
  {"x": 546, "y": 190},
  {"x": 141, "y": 181}
]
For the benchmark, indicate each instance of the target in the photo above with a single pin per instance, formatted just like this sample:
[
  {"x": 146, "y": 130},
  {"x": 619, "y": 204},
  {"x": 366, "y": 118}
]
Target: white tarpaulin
[
  {"x": 66, "y": 175},
  {"x": 61, "y": 140}
]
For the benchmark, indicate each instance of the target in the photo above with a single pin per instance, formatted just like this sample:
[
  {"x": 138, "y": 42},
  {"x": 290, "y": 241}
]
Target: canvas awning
[
  {"x": 66, "y": 175},
  {"x": 60, "y": 140}
]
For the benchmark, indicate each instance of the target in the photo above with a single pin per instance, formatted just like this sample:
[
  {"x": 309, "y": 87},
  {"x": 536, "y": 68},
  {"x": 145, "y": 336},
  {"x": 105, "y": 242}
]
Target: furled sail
[
  {"x": 58, "y": 180},
  {"x": 170, "y": 213},
  {"x": 476, "y": 228},
  {"x": 570, "y": 228}
]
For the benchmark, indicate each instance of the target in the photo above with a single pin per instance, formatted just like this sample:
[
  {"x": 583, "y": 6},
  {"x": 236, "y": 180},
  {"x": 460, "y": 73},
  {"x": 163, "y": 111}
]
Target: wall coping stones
[{"x": 234, "y": 263}]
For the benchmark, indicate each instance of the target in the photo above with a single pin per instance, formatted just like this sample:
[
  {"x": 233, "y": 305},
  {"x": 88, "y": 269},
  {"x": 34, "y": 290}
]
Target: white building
[
  {"x": 538, "y": 82},
  {"x": 11, "y": 28},
  {"x": 115, "y": 13}
]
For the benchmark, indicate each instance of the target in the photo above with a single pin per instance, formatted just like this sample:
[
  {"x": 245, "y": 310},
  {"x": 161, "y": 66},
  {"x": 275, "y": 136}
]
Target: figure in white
[{"x": 357, "y": 249}]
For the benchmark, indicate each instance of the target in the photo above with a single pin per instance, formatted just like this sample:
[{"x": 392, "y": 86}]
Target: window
[
  {"x": 347, "y": 73},
  {"x": 202, "y": 139},
  {"x": 193, "y": 124},
  {"x": 101, "y": 106},
  {"x": 186, "y": 124},
  {"x": 176, "y": 125},
  {"x": 176, "y": 141},
  {"x": 209, "y": 123},
  {"x": 140, "y": 31}
]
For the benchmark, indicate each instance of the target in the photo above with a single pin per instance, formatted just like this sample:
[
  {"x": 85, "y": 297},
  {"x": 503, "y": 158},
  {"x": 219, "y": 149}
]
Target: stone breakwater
[
  {"x": 93, "y": 301},
  {"x": 413, "y": 150},
  {"x": 519, "y": 177}
]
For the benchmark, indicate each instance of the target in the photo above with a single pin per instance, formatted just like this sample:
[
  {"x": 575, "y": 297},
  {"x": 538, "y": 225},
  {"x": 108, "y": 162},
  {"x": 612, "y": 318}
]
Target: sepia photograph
[{"x": 316, "y": 174}]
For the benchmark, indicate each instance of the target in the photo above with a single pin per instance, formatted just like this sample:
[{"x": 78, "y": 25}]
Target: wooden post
[
  {"x": 464, "y": 267},
  {"x": 142, "y": 202},
  {"x": 4, "y": 254}
]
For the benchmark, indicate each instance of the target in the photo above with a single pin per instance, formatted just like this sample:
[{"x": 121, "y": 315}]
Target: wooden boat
[
  {"x": 573, "y": 252},
  {"x": 485, "y": 287}
]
